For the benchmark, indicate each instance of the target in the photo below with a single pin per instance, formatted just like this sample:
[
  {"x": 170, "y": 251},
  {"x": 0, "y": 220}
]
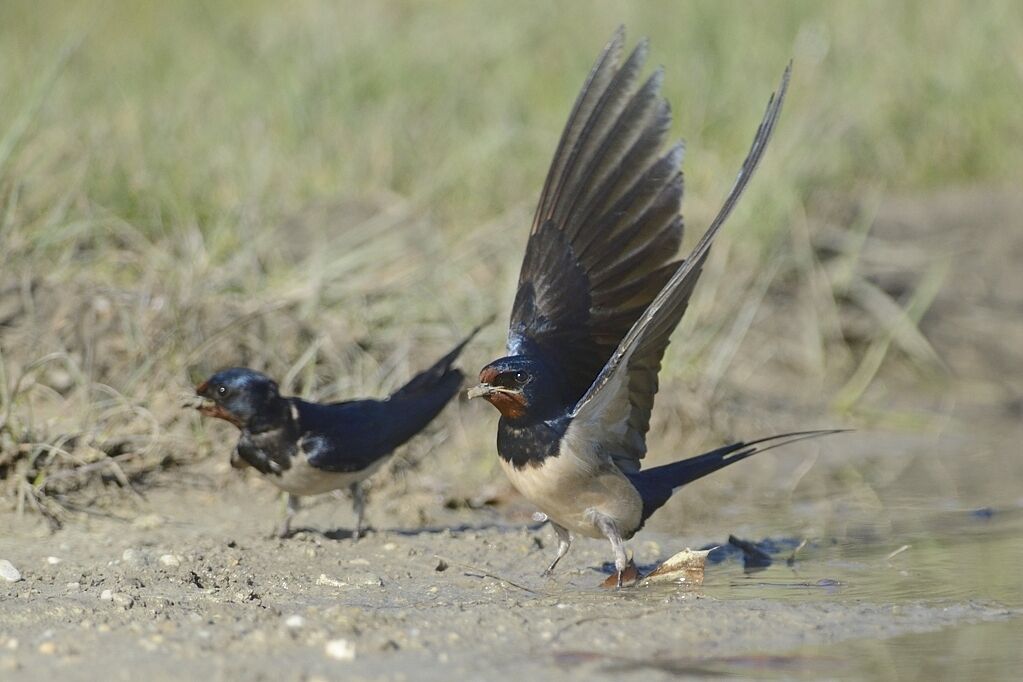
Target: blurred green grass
[{"x": 335, "y": 191}]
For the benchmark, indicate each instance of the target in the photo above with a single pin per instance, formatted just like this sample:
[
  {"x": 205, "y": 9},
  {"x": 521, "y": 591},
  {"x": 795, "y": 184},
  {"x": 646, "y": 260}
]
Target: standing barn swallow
[
  {"x": 599, "y": 295},
  {"x": 309, "y": 448}
]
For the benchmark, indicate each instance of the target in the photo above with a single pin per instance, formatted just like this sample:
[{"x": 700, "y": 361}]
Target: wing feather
[
  {"x": 631, "y": 373},
  {"x": 606, "y": 225}
]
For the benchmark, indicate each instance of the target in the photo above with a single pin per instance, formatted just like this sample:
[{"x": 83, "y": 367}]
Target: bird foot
[{"x": 620, "y": 579}]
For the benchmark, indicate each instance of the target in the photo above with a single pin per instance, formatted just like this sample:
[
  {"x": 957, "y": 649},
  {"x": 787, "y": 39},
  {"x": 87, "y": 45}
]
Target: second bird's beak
[
  {"x": 480, "y": 391},
  {"x": 209, "y": 407}
]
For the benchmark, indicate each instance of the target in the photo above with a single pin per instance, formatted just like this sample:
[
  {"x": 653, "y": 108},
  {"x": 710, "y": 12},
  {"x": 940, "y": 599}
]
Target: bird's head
[
  {"x": 517, "y": 386},
  {"x": 241, "y": 396}
]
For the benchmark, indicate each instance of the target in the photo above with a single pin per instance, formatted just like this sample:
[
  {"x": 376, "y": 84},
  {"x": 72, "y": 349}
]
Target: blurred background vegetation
[{"x": 335, "y": 192}]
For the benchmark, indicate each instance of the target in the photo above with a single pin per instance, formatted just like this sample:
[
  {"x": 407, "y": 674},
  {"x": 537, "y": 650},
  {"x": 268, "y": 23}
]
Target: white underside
[
  {"x": 572, "y": 490},
  {"x": 303, "y": 479}
]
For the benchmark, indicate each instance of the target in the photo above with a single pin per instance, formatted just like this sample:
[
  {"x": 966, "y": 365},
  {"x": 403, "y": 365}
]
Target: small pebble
[
  {"x": 48, "y": 648},
  {"x": 171, "y": 560},
  {"x": 330, "y": 582},
  {"x": 133, "y": 557},
  {"x": 73, "y": 587},
  {"x": 53, "y": 560},
  {"x": 8, "y": 572},
  {"x": 106, "y": 595},
  {"x": 123, "y": 600},
  {"x": 148, "y": 521},
  {"x": 294, "y": 621},
  {"x": 340, "y": 650}
]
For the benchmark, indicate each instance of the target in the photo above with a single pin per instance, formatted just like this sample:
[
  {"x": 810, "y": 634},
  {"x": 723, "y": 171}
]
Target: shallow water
[
  {"x": 953, "y": 556},
  {"x": 950, "y": 559}
]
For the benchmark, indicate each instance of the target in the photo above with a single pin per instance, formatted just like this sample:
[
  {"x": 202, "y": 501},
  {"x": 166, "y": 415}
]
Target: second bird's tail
[{"x": 441, "y": 373}]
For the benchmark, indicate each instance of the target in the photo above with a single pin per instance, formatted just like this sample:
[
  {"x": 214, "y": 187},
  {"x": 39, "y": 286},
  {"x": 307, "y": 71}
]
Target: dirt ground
[{"x": 187, "y": 582}]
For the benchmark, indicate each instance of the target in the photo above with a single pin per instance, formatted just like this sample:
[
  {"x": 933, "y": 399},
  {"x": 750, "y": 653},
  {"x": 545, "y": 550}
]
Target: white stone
[
  {"x": 8, "y": 572},
  {"x": 53, "y": 560},
  {"x": 340, "y": 650},
  {"x": 106, "y": 595},
  {"x": 330, "y": 582},
  {"x": 294, "y": 621},
  {"x": 171, "y": 560}
]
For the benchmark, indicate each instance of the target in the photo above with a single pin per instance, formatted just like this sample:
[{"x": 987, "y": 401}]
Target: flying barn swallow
[
  {"x": 599, "y": 294},
  {"x": 309, "y": 448}
]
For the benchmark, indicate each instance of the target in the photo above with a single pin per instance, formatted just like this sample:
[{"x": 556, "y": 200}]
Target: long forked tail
[
  {"x": 656, "y": 485},
  {"x": 441, "y": 371}
]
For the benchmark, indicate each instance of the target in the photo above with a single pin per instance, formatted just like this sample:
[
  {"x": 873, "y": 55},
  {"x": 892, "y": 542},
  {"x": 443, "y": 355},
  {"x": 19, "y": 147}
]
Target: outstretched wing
[
  {"x": 616, "y": 408},
  {"x": 607, "y": 226}
]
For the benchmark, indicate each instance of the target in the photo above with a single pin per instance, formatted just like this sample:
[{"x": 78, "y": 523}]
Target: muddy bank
[{"x": 193, "y": 586}]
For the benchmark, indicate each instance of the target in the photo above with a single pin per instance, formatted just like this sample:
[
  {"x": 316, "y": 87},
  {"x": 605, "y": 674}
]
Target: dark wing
[
  {"x": 353, "y": 435},
  {"x": 607, "y": 225},
  {"x": 266, "y": 459},
  {"x": 616, "y": 408}
]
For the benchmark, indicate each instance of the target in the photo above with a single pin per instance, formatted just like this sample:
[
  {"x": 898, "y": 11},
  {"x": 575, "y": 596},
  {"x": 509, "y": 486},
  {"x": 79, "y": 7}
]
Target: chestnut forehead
[{"x": 488, "y": 374}]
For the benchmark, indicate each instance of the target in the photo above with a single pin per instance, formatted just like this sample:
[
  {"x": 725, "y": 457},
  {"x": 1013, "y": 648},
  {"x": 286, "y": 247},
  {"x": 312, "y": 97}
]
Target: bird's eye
[
  {"x": 222, "y": 390},
  {"x": 520, "y": 378}
]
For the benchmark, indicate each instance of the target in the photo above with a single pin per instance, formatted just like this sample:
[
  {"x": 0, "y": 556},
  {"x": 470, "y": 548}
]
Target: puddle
[
  {"x": 952, "y": 559},
  {"x": 979, "y": 558}
]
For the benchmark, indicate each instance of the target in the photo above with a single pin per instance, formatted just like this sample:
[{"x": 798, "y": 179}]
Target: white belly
[
  {"x": 569, "y": 490},
  {"x": 302, "y": 479}
]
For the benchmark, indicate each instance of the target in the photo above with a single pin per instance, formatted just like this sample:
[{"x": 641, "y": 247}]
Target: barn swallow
[
  {"x": 309, "y": 448},
  {"x": 599, "y": 295}
]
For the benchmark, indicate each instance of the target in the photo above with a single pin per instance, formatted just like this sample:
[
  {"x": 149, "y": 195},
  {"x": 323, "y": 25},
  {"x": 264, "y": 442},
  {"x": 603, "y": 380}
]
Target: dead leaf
[{"x": 685, "y": 567}]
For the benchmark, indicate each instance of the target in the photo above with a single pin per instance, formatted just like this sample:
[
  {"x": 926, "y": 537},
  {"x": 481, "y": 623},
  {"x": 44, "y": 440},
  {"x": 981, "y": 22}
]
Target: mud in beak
[
  {"x": 509, "y": 402},
  {"x": 209, "y": 407},
  {"x": 480, "y": 391}
]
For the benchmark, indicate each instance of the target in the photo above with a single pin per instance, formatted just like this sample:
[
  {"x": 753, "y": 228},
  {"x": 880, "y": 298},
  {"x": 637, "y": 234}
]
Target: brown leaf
[{"x": 685, "y": 567}]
